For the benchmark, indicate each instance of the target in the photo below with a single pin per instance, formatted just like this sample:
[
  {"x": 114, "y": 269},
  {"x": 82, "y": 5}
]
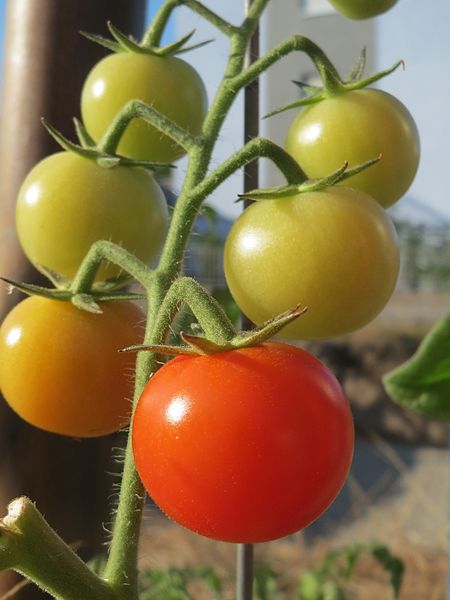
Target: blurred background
[{"x": 398, "y": 489}]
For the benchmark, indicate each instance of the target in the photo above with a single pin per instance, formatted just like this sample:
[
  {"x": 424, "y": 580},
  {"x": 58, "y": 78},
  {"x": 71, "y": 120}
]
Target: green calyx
[
  {"x": 332, "y": 83},
  {"x": 124, "y": 43},
  {"x": 310, "y": 185},
  {"x": 101, "y": 292},
  {"x": 87, "y": 149},
  {"x": 198, "y": 345}
]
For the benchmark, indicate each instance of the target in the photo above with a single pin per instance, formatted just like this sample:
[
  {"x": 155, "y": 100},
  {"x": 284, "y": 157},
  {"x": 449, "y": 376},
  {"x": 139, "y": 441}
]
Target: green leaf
[
  {"x": 36, "y": 290},
  {"x": 126, "y": 43},
  {"x": 210, "y": 577},
  {"x": 306, "y": 88},
  {"x": 332, "y": 591},
  {"x": 393, "y": 565},
  {"x": 358, "y": 68},
  {"x": 297, "y": 104},
  {"x": 102, "y": 41},
  {"x": 362, "y": 83},
  {"x": 82, "y": 134},
  {"x": 265, "y": 583},
  {"x": 173, "y": 48},
  {"x": 310, "y": 586},
  {"x": 423, "y": 382},
  {"x": 87, "y": 303}
]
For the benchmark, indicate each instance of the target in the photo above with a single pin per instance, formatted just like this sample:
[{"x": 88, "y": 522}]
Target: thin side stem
[
  {"x": 153, "y": 35},
  {"x": 254, "y": 149},
  {"x": 104, "y": 250},
  {"x": 136, "y": 109},
  {"x": 296, "y": 43},
  {"x": 208, "y": 312}
]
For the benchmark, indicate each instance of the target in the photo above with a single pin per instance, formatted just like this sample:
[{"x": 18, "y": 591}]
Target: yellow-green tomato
[
  {"x": 168, "y": 84},
  {"x": 355, "y": 127},
  {"x": 334, "y": 251},
  {"x": 362, "y": 9},
  {"x": 68, "y": 202},
  {"x": 61, "y": 369}
]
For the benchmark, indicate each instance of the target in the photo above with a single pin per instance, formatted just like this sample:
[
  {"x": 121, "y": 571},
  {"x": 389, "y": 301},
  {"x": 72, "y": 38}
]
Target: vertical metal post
[{"x": 244, "y": 571}]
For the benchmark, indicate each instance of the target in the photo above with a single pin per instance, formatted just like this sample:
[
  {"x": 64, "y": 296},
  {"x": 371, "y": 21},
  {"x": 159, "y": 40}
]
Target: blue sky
[{"x": 412, "y": 31}]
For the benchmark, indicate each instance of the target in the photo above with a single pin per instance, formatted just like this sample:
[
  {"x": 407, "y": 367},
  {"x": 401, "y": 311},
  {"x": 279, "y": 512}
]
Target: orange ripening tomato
[{"x": 60, "y": 369}]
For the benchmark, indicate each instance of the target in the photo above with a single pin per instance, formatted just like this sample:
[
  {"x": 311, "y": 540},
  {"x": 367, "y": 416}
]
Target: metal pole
[{"x": 244, "y": 571}]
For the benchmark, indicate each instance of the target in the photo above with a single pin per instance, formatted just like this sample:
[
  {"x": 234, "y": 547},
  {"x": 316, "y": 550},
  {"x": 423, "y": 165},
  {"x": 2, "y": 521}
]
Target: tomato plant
[
  {"x": 334, "y": 251},
  {"x": 362, "y": 9},
  {"x": 244, "y": 446},
  {"x": 239, "y": 439},
  {"x": 167, "y": 83},
  {"x": 357, "y": 126},
  {"x": 68, "y": 202},
  {"x": 60, "y": 368}
]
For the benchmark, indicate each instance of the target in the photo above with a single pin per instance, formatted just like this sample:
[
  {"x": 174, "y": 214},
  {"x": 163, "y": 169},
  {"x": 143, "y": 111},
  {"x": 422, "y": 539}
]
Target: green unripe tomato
[
  {"x": 362, "y": 9},
  {"x": 168, "y": 84},
  {"x": 334, "y": 251},
  {"x": 68, "y": 202},
  {"x": 355, "y": 127}
]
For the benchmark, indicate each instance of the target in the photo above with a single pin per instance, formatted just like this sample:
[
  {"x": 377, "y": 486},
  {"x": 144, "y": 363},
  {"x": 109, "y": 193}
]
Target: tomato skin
[
  {"x": 358, "y": 126},
  {"x": 60, "y": 369},
  {"x": 362, "y": 9},
  {"x": 243, "y": 446},
  {"x": 169, "y": 84},
  {"x": 334, "y": 251},
  {"x": 68, "y": 202}
]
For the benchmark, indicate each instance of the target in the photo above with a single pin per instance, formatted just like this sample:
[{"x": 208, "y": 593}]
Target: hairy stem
[
  {"x": 152, "y": 36},
  {"x": 31, "y": 547},
  {"x": 136, "y": 109},
  {"x": 206, "y": 309},
  {"x": 104, "y": 250},
  {"x": 164, "y": 299},
  {"x": 296, "y": 43}
]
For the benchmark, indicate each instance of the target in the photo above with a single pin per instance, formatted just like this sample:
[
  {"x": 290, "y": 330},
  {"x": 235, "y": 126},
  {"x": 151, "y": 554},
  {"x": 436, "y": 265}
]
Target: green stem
[
  {"x": 104, "y": 250},
  {"x": 331, "y": 79},
  {"x": 206, "y": 309},
  {"x": 136, "y": 109},
  {"x": 153, "y": 35},
  {"x": 31, "y": 547},
  {"x": 121, "y": 568}
]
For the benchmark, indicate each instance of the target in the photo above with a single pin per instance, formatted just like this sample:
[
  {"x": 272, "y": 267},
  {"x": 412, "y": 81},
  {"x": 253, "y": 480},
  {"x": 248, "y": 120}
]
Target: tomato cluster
[{"x": 244, "y": 445}]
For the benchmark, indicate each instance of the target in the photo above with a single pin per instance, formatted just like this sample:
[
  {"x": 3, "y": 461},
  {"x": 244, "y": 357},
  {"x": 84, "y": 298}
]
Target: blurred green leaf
[{"x": 423, "y": 382}]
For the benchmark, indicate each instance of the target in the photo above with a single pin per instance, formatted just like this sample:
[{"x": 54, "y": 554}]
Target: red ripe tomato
[
  {"x": 60, "y": 369},
  {"x": 243, "y": 446}
]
